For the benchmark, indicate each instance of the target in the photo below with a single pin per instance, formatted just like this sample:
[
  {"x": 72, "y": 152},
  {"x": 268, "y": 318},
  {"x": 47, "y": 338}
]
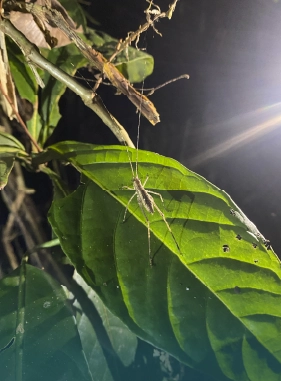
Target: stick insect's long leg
[
  {"x": 149, "y": 247},
  {"x": 128, "y": 202},
  {"x": 148, "y": 234},
  {"x": 157, "y": 194},
  {"x": 168, "y": 227},
  {"x": 145, "y": 181}
]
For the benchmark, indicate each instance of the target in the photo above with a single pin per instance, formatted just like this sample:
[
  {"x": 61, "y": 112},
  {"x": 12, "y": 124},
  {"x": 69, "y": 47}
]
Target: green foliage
[
  {"x": 205, "y": 304},
  {"x": 69, "y": 59},
  {"x": 22, "y": 75},
  {"x": 121, "y": 341},
  {"x": 46, "y": 113},
  {"x": 10, "y": 148},
  {"x": 6, "y": 165},
  {"x": 133, "y": 64},
  {"x": 35, "y": 313},
  {"x": 75, "y": 11}
]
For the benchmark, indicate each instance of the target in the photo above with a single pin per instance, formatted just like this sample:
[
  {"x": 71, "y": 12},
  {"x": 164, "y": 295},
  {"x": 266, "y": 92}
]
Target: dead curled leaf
[
  {"x": 39, "y": 32},
  {"x": 7, "y": 94}
]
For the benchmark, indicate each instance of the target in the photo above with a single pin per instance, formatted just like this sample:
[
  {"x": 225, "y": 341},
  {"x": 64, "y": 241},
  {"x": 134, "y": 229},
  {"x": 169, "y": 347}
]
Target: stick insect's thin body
[{"x": 145, "y": 200}]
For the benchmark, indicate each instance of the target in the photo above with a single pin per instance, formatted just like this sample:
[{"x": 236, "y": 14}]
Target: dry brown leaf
[
  {"x": 44, "y": 35},
  {"x": 6, "y": 81}
]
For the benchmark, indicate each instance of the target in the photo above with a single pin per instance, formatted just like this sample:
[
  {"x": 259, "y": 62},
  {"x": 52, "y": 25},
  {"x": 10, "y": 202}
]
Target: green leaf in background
[
  {"x": 9, "y": 142},
  {"x": 46, "y": 117},
  {"x": 114, "y": 337},
  {"x": 10, "y": 148},
  {"x": 137, "y": 67},
  {"x": 69, "y": 59},
  {"x": 134, "y": 64},
  {"x": 39, "y": 338},
  {"x": 199, "y": 305},
  {"x": 35, "y": 124},
  {"x": 6, "y": 165},
  {"x": 75, "y": 11},
  {"x": 22, "y": 75}
]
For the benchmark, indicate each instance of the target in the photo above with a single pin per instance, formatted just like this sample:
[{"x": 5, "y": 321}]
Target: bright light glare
[{"x": 269, "y": 124}]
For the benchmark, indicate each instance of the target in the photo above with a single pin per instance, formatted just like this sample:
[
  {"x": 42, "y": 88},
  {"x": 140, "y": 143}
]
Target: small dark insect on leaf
[
  {"x": 255, "y": 245},
  {"x": 256, "y": 260},
  {"x": 225, "y": 248},
  {"x": 237, "y": 290},
  {"x": 238, "y": 237}
]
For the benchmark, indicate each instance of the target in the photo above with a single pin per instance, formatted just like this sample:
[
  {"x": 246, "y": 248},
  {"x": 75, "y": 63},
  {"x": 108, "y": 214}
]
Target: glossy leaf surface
[{"x": 201, "y": 304}]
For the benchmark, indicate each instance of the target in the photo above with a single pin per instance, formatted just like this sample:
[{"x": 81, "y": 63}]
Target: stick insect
[{"x": 144, "y": 197}]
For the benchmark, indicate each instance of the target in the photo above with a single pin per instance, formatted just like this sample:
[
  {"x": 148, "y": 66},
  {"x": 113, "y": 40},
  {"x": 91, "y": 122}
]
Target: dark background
[{"x": 224, "y": 122}]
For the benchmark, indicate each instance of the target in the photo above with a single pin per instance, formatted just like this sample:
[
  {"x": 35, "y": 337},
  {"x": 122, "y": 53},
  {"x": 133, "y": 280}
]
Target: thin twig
[
  {"x": 23, "y": 219},
  {"x": 134, "y": 36},
  {"x": 14, "y": 196}
]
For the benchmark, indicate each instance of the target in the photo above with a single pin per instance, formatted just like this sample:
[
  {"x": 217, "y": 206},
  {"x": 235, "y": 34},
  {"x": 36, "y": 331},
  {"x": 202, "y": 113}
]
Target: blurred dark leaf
[{"x": 35, "y": 313}]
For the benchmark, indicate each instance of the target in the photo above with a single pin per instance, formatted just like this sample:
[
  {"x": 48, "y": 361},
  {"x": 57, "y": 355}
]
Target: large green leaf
[
  {"x": 39, "y": 338},
  {"x": 202, "y": 304}
]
